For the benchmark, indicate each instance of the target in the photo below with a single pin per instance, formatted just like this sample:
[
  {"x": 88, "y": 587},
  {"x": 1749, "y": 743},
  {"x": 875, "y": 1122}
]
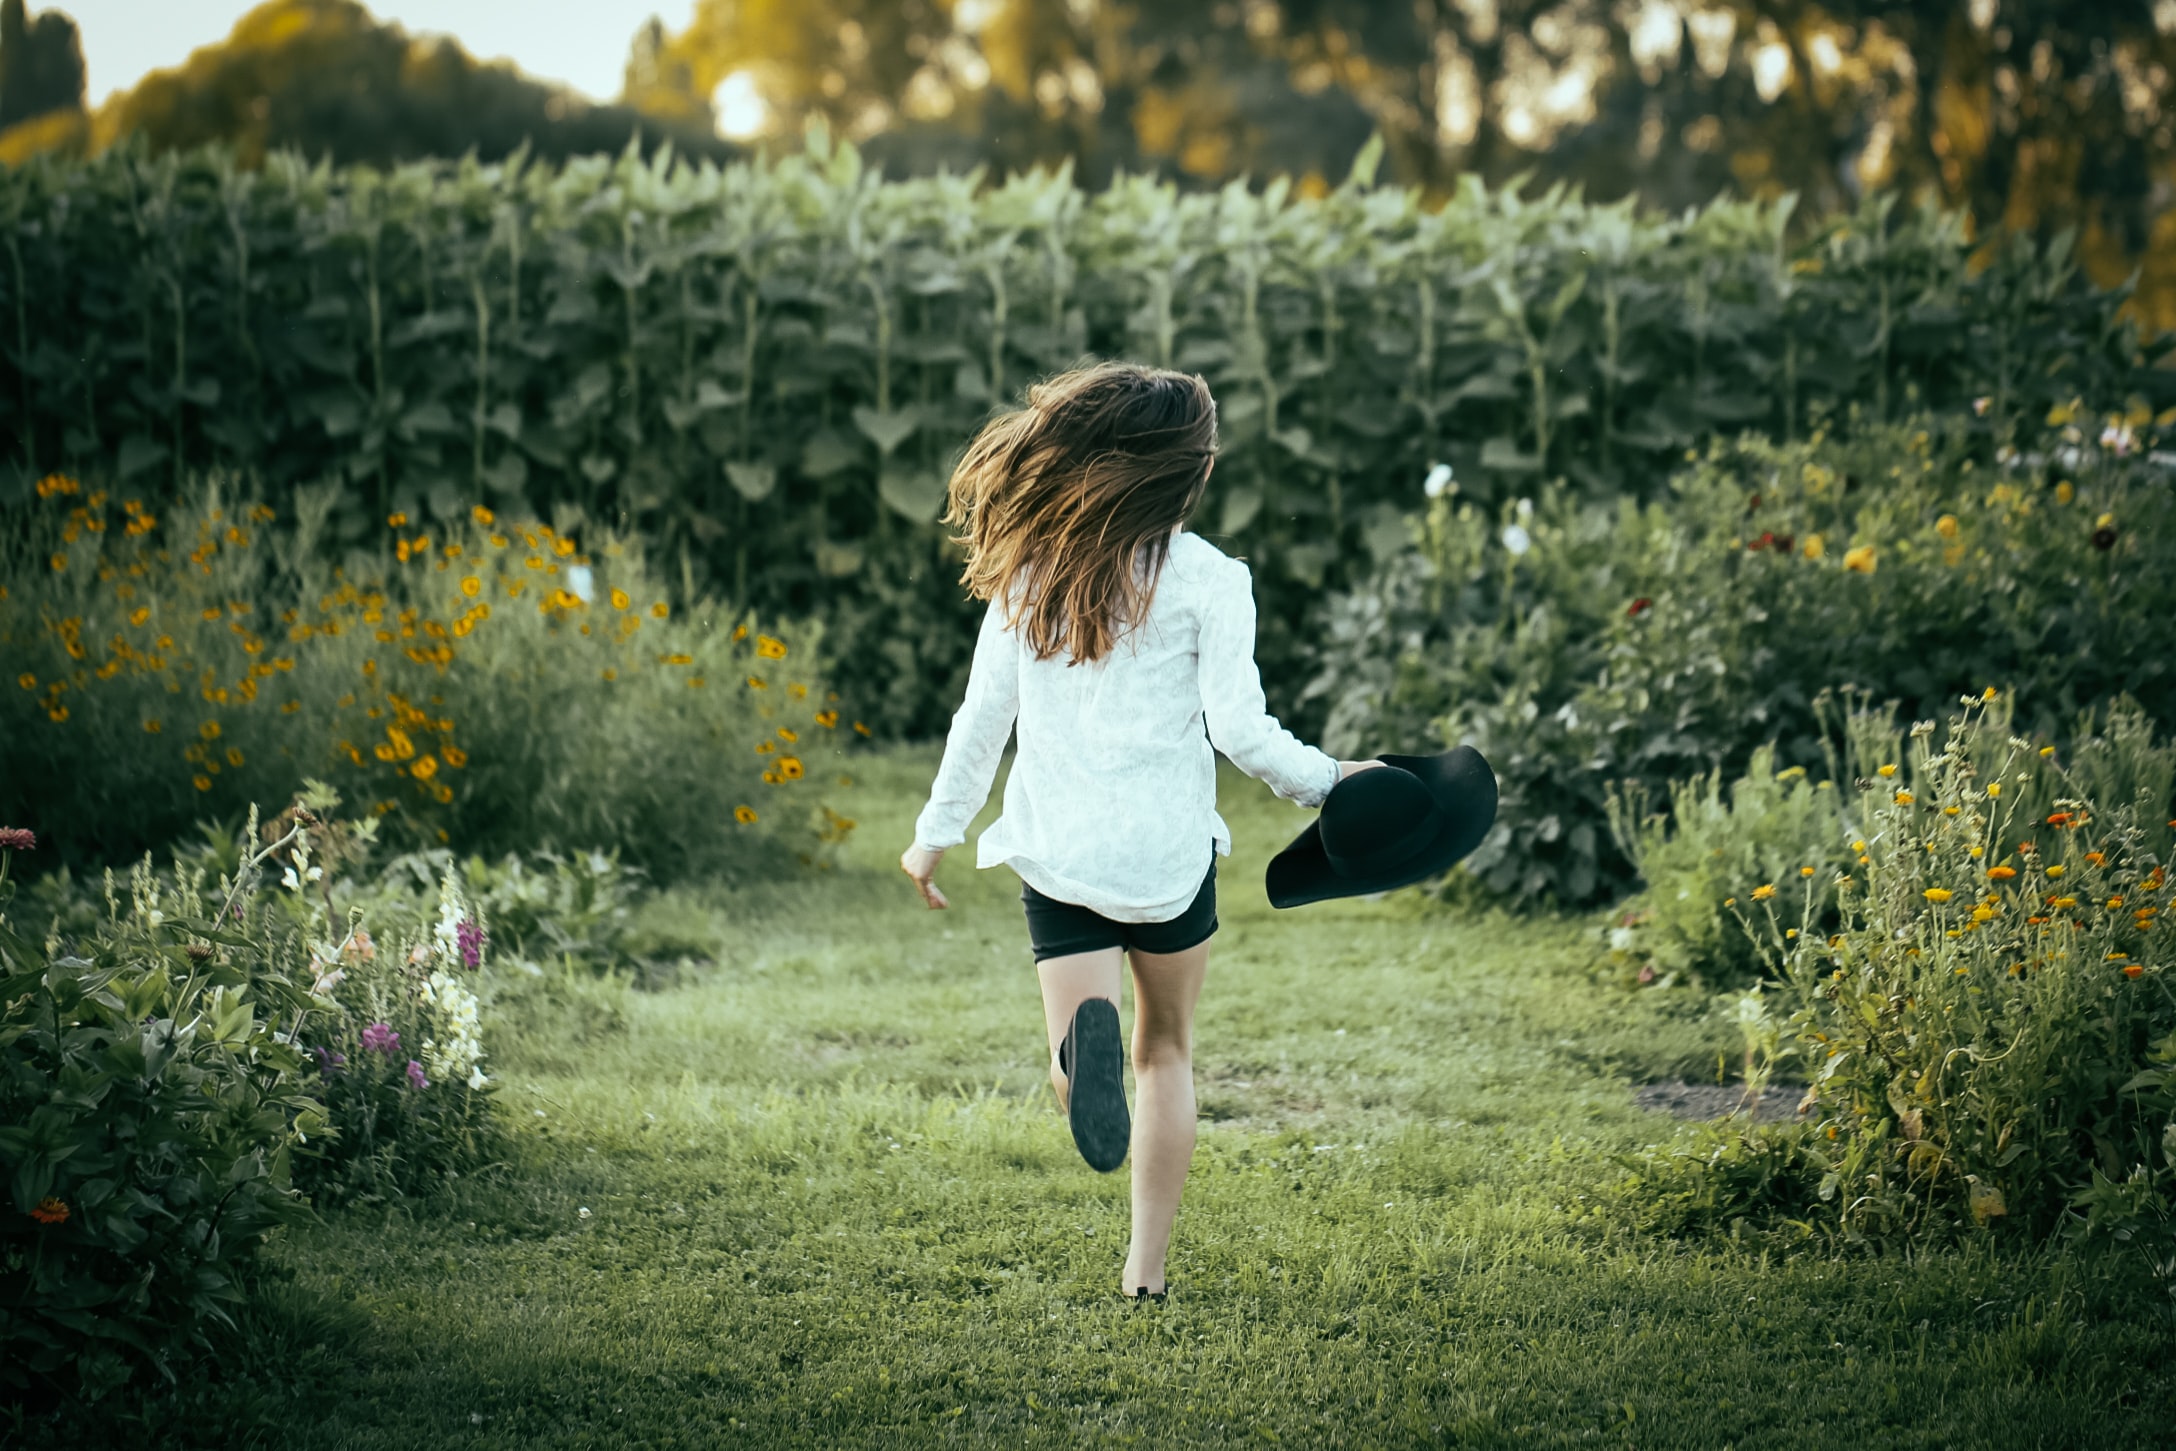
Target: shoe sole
[{"x": 1096, "y": 1096}]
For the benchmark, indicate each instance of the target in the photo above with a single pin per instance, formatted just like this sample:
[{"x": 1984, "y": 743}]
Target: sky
[{"x": 583, "y": 45}]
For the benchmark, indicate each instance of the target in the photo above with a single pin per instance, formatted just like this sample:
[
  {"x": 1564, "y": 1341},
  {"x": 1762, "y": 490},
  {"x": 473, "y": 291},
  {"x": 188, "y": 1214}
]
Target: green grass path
[{"x": 829, "y": 1203}]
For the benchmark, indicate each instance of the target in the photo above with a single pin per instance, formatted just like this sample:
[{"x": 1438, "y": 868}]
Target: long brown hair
[{"x": 1073, "y": 494}]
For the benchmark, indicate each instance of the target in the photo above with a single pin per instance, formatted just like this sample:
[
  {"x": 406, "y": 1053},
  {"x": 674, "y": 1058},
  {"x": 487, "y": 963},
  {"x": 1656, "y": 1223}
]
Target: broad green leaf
[
  {"x": 887, "y": 430},
  {"x": 752, "y": 482},
  {"x": 916, "y": 493}
]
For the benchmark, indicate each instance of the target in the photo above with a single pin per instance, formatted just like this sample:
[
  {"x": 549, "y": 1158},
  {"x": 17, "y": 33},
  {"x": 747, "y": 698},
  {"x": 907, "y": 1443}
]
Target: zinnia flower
[
  {"x": 17, "y": 838},
  {"x": 2001, "y": 874},
  {"x": 51, "y": 1211}
]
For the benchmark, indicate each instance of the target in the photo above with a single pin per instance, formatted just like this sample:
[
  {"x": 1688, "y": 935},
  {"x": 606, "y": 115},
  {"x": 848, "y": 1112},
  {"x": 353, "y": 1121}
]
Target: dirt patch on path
[{"x": 1719, "y": 1100}]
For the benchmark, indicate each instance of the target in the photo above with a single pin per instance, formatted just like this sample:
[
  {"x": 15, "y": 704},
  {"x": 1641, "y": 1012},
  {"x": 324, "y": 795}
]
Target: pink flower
[
  {"x": 415, "y": 1075},
  {"x": 380, "y": 1038},
  {"x": 359, "y": 947},
  {"x": 17, "y": 838},
  {"x": 470, "y": 936}
]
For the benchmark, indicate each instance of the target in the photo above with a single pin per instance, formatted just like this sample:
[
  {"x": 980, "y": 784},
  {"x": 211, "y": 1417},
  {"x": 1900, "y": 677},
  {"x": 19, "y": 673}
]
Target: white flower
[
  {"x": 1438, "y": 480},
  {"x": 476, "y": 1078},
  {"x": 1526, "y": 511},
  {"x": 1517, "y": 540},
  {"x": 1620, "y": 939},
  {"x": 582, "y": 582}
]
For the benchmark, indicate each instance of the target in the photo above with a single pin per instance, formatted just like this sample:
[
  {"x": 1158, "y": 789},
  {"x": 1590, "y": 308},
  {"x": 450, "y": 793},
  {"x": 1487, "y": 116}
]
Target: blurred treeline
[
  {"x": 321, "y": 77},
  {"x": 2036, "y": 115}
]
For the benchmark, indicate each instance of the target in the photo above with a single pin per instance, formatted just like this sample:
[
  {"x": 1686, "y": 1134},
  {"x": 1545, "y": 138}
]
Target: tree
[
  {"x": 41, "y": 64},
  {"x": 323, "y": 77}
]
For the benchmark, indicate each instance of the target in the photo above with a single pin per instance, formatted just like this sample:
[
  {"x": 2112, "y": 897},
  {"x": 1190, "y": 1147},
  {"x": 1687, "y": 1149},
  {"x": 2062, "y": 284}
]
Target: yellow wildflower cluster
[{"x": 207, "y": 635}]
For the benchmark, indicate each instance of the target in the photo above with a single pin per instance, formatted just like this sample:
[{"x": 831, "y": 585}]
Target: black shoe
[
  {"x": 1143, "y": 1295},
  {"x": 1092, "y": 1058}
]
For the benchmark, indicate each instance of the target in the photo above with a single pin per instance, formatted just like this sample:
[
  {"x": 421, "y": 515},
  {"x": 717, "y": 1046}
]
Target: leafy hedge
[
  {"x": 765, "y": 369},
  {"x": 1579, "y": 645}
]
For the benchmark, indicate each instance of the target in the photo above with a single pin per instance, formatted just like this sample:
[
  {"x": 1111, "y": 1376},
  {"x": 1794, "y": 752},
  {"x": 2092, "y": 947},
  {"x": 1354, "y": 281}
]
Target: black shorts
[{"x": 1060, "y": 929}]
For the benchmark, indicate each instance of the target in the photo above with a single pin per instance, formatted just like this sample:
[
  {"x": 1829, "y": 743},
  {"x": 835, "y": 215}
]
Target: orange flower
[
  {"x": 790, "y": 767},
  {"x": 51, "y": 1211},
  {"x": 455, "y": 756},
  {"x": 2133, "y": 969},
  {"x": 2001, "y": 874},
  {"x": 770, "y": 648},
  {"x": 827, "y": 718},
  {"x": 2062, "y": 819}
]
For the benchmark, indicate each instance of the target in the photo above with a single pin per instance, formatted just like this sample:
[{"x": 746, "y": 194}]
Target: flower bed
[{"x": 498, "y": 687}]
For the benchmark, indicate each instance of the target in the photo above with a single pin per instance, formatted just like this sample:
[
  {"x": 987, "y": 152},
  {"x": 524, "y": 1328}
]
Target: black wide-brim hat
[{"x": 1388, "y": 826}]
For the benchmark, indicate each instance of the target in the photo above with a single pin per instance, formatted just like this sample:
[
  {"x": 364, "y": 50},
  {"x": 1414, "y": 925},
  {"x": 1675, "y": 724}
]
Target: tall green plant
[{"x": 767, "y": 368}]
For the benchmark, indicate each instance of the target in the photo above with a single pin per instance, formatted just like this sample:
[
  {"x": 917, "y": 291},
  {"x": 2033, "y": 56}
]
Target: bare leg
[
  {"x": 1165, "y": 989},
  {"x": 1067, "y": 983}
]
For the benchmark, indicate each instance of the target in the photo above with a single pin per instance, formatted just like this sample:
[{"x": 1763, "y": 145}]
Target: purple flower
[
  {"x": 415, "y": 1075},
  {"x": 380, "y": 1038},
  {"x": 329, "y": 1063},
  {"x": 17, "y": 838},
  {"x": 469, "y": 936}
]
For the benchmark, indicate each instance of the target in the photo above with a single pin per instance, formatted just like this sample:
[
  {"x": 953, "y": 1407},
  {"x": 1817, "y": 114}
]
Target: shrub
[
  {"x": 151, "y": 1089},
  {"x": 1577, "y": 644},
  {"x": 494, "y": 687},
  {"x": 1988, "y": 1032}
]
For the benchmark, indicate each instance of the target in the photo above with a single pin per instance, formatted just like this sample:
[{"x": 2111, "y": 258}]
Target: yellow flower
[
  {"x": 2047, "y": 751},
  {"x": 1860, "y": 559},
  {"x": 151, "y": 727},
  {"x": 201, "y": 782},
  {"x": 472, "y": 586},
  {"x": 1814, "y": 547},
  {"x": 740, "y": 633},
  {"x": 1763, "y": 892},
  {"x": 209, "y": 730},
  {"x": 1903, "y": 798},
  {"x": 828, "y": 719},
  {"x": 2064, "y": 493},
  {"x": 1885, "y": 770},
  {"x": 27, "y": 680},
  {"x": 787, "y": 736},
  {"x": 234, "y": 755},
  {"x": 764, "y": 748},
  {"x": 1946, "y": 526},
  {"x": 426, "y": 766},
  {"x": 481, "y": 515},
  {"x": 396, "y": 521},
  {"x": 744, "y": 814},
  {"x": 1937, "y": 894},
  {"x": 1805, "y": 871},
  {"x": 619, "y": 599},
  {"x": 790, "y": 767},
  {"x": 610, "y": 673},
  {"x": 1994, "y": 788},
  {"x": 757, "y": 682},
  {"x": 56, "y": 713},
  {"x": 659, "y": 610},
  {"x": 140, "y": 614},
  {"x": 2056, "y": 870},
  {"x": 695, "y": 682},
  {"x": 59, "y": 563},
  {"x": 769, "y": 648},
  {"x": 455, "y": 756}
]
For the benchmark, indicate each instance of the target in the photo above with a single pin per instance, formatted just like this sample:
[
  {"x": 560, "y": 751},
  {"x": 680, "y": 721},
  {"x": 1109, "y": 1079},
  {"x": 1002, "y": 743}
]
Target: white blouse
[{"x": 1112, "y": 797}]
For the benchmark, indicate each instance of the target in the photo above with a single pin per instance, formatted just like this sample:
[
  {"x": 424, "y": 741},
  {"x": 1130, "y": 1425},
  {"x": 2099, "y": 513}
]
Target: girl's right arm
[
  {"x": 976, "y": 743},
  {"x": 1232, "y": 704}
]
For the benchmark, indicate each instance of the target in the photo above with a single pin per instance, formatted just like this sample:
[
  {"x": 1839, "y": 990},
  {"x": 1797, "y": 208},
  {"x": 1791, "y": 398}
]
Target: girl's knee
[{"x": 1157, "y": 1052}]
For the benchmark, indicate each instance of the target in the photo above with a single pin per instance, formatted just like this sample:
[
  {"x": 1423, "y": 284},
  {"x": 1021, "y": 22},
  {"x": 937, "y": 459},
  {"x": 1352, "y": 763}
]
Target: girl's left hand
[{"x": 920, "y": 863}]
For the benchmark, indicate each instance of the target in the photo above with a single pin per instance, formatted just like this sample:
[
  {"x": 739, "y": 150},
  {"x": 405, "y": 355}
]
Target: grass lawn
[{"x": 820, "y": 1196}]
